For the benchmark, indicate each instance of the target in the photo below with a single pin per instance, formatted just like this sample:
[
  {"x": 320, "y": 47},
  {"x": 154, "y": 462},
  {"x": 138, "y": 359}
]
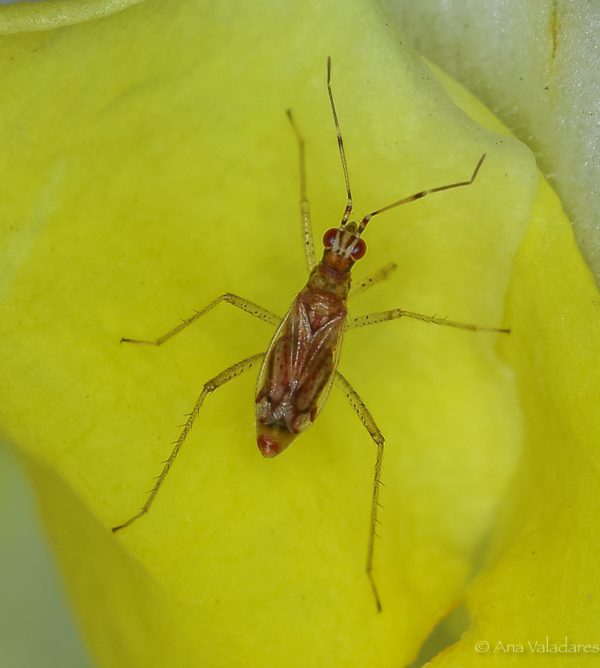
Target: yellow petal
[
  {"x": 152, "y": 168},
  {"x": 537, "y": 594}
]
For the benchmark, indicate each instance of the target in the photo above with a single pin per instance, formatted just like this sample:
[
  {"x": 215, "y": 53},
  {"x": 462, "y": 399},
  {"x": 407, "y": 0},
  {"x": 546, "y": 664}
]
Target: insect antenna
[
  {"x": 348, "y": 209},
  {"x": 364, "y": 222}
]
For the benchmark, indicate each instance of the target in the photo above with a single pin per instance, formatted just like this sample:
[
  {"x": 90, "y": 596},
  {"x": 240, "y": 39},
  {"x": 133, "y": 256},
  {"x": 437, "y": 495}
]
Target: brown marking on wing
[
  {"x": 317, "y": 370},
  {"x": 300, "y": 362}
]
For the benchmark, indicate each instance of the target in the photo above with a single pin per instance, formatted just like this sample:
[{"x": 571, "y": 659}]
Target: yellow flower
[{"x": 149, "y": 166}]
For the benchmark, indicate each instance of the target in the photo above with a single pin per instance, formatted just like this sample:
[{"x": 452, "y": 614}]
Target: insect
[{"x": 300, "y": 365}]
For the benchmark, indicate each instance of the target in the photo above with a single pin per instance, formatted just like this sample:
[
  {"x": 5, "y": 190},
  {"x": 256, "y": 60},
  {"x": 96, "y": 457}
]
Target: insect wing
[{"x": 298, "y": 370}]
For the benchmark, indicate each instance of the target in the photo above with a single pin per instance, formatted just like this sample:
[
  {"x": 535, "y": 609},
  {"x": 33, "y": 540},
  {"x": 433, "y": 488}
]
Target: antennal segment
[
  {"x": 364, "y": 222},
  {"x": 348, "y": 209}
]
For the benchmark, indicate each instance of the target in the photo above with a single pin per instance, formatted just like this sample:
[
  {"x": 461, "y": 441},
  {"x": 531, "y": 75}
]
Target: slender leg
[
  {"x": 384, "y": 316},
  {"x": 209, "y": 387},
  {"x": 307, "y": 231},
  {"x": 369, "y": 423},
  {"x": 373, "y": 279},
  {"x": 240, "y": 302}
]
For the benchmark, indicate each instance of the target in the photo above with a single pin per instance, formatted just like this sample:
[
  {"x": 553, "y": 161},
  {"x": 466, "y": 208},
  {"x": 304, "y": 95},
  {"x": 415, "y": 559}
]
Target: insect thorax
[{"x": 325, "y": 278}]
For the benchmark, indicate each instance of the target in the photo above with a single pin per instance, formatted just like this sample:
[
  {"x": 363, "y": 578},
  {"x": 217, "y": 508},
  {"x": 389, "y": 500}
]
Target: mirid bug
[{"x": 300, "y": 365}]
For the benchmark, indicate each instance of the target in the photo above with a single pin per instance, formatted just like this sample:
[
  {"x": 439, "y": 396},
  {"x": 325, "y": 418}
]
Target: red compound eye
[
  {"x": 329, "y": 237},
  {"x": 359, "y": 250}
]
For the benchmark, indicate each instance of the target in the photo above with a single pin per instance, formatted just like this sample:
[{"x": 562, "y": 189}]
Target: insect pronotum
[{"x": 300, "y": 365}]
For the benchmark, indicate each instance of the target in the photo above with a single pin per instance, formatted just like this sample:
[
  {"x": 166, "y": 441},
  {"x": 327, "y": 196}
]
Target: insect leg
[
  {"x": 307, "y": 231},
  {"x": 384, "y": 316},
  {"x": 373, "y": 279},
  {"x": 369, "y": 423},
  {"x": 240, "y": 302},
  {"x": 209, "y": 387}
]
